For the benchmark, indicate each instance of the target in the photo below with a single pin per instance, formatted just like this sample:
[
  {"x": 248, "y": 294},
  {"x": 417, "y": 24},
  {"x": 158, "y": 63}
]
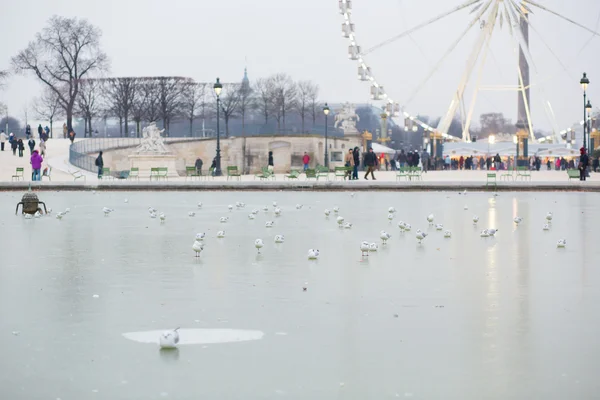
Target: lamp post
[
  {"x": 218, "y": 87},
  {"x": 584, "y": 85},
  {"x": 326, "y": 112}
]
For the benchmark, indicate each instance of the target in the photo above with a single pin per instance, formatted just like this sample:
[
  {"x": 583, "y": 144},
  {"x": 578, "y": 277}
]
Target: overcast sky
[{"x": 203, "y": 39}]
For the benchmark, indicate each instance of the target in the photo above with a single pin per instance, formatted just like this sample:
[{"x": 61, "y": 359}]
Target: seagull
[
  {"x": 447, "y": 234},
  {"x": 152, "y": 215},
  {"x": 224, "y": 219},
  {"x": 439, "y": 227},
  {"x": 352, "y": 194},
  {"x": 162, "y": 217},
  {"x": 230, "y": 207},
  {"x": 298, "y": 206},
  {"x": 192, "y": 214},
  {"x": 251, "y": 216},
  {"x": 258, "y": 243},
  {"x": 28, "y": 216},
  {"x": 59, "y": 215},
  {"x": 562, "y": 243},
  {"x": 420, "y": 236},
  {"x": 274, "y": 204},
  {"x": 340, "y": 220},
  {"x": 546, "y": 227},
  {"x": 265, "y": 208},
  {"x": 364, "y": 249},
  {"x": 475, "y": 219},
  {"x": 238, "y": 204},
  {"x": 269, "y": 224},
  {"x": 107, "y": 211},
  {"x": 407, "y": 227},
  {"x": 384, "y": 236},
  {"x": 313, "y": 254},
  {"x": 430, "y": 219},
  {"x": 221, "y": 234},
  {"x": 401, "y": 226},
  {"x": 200, "y": 236},
  {"x": 277, "y": 211},
  {"x": 37, "y": 214},
  {"x": 200, "y": 205},
  {"x": 492, "y": 231},
  {"x": 198, "y": 246},
  {"x": 390, "y": 216},
  {"x": 348, "y": 225},
  {"x": 391, "y": 210},
  {"x": 152, "y": 210},
  {"x": 327, "y": 212},
  {"x": 279, "y": 239},
  {"x": 336, "y": 209},
  {"x": 242, "y": 204},
  {"x": 67, "y": 210},
  {"x": 466, "y": 207},
  {"x": 126, "y": 200},
  {"x": 255, "y": 211},
  {"x": 373, "y": 247},
  {"x": 169, "y": 339},
  {"x": 484, "y": 233},
  {"x": 518, "y": 220},
  {"x": 549, "y": 216}
]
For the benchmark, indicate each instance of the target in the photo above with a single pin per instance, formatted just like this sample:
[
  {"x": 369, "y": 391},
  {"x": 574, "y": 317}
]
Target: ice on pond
[{"x": 198, "y": 336}]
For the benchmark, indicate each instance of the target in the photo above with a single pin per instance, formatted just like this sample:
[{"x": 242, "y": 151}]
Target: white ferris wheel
[{"x": 489, "y": 17}]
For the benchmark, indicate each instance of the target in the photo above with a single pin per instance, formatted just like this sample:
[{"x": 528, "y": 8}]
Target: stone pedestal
[{"x": 147, "y": 161}]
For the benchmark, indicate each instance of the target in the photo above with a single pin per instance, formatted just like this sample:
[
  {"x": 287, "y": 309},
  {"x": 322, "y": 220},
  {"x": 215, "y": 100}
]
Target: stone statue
[
  {"x": 152, "y": 142},
  {"x": 346, "y": 118}
]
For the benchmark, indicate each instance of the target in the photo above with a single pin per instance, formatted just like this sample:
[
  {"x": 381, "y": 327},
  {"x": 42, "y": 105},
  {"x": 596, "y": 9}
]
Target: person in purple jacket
[{"x": 36, "y": 165}]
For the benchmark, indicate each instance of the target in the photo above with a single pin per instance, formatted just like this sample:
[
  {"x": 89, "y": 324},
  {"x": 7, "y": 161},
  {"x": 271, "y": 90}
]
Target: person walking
[
  {"x": 100, "y": 165},
  {"x": 583, "y": 163},
  {"x": 21, "y": 147},
  {"x": 31, "y": 144},
  {"x": 370, "y": 163},
  {"x": 425, "y": 160},
  {"x": 3, "y": 139},
  {"x": 36, "y": 165},
  {"x": 270, "y": 166},
  {"x": 497, "y": 161},
  {"x": 28, "y": 131},
  {"x": 305, "y": 160},
  {"x": 72, "y": 136},
  {"x": 43, "y": 148},
  {"x": 198, "y": 166},
  {"x": 349, "y": 163},
  {"x": 14, "y": 145},
  {"x": 40, "y": 131},
  {"x": 356, "y": 155}
]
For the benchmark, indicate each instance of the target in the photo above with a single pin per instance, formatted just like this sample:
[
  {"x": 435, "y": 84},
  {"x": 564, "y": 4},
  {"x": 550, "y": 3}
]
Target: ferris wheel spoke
[
  {"x": 466, "y": 4},
  {"x": 563, "y": 17},
  {"x": 447, "y": 53}
]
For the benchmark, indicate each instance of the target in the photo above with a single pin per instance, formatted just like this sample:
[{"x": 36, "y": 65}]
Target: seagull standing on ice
[
  {"x": 340, "y": 220},
  {"x": 401, "y": 226},
  {"x": 390, "y": 216},
  {"x": 439, "y": 227},
  {"x": 269, "y": 224},
  {"x": 447, "y": 234},
  {"x": 430, "y": 219},
  {"x": 200, "y": 205},
  {"x": 484, "y": 233},
  {"x": 336, "y": 209},
  {"x": 230, "y": 207},
  {"x": 373, "y": 247},
  {"x": 364, "y": 249},
  {"x": 562, "y": 243},
  {"x": 420, "y": 236},
  {"x": 200, "y": 236},
  {"x": 391, "y": 210},
  {"x": 279, "y": 239},
  {"x": 251, "y": 216},
  {"x": 327, "y": 212},
  {"x": 298, "y": 206},
  {"x": 518, "y": 220},
  {"x": 224, "y": 219},
  {"x": 384, "y": 236},
  {"x": 59, "y": 215},
  {"x": 163, "y": 217},
  {"x": 277, "y": 212},
  {"x": 192, "y": 214},
  {"x": 198, "y": 246},
  {"x": 169, "y": 339},
  {"x": 313, "y": 254},
  {"x": 348, "y": 225},
  {"x": 549, "y": 217},
  {"x": 475, "y": 219},
  {"x": 107, "y": 211},
  {"x": 492, "y": 231},
  {"x": 258, "y": 243},
  {"x": 546, "y": 227},
  {"x": 221, "y": 234}
]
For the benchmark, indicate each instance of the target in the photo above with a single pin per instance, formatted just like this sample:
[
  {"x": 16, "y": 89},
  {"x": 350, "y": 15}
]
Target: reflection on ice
[{"x": 198, "y": 336}]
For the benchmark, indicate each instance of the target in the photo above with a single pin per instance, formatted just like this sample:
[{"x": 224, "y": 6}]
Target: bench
[
  {"x": 491, "y": 180},
  {"x": 573, "y": 174},
  {"x": 19, "y": 174},
  {"x": 264, "y": 174},
  {"x": 159, "y": 172},
  {"x": 190, "y": 172},
  {"x": 77, "y": 174},
  {"x": 342, "y": 172},
  {"x": 415, "y": 173},
  {"x": 233, "y": 172},
  {"x": 523, "y": 172},
  {"x": 508, "y": 175},
  {"x": 134, "y": 173},
  {"x": 294, "y": 174},
  {"x": 402, "y": 173}
]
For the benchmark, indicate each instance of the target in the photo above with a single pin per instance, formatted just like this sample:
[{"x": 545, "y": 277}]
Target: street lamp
[
  {"x": 584, "y": 85},
  {"x": 218, "y": 87},
  {"x": 326, "y": 112},
  {"x": 588, "y": 125}
]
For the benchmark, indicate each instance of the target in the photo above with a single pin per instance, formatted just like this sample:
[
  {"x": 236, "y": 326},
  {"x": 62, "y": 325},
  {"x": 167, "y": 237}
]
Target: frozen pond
[{"x": 510, "y": 317}]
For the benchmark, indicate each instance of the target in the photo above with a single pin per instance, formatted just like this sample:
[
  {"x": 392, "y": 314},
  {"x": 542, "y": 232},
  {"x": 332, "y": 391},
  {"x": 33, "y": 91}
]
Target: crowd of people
[{"x": 18, "y": 144}]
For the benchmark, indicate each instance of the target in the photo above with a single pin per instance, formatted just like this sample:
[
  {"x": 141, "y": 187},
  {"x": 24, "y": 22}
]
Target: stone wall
[{"x": 287, "y": 152}]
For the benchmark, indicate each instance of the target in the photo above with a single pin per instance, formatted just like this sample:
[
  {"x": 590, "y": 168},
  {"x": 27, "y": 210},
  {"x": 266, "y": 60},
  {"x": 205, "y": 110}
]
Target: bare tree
[
  {"x": 314, "y": 106},
  {"x": 64, "y": 53},
  {"x": 192, "y": 99},
  {"x": 306, "y": 92},
  {"x": 89, "y": 102},
  {"x": 264, "y": 96},
  {"x": 284, "y": 99},
  {"x": 170, "y": 91},
  {"x": 150, "y": 93},
  {"x": 3, "y": 77},
  {"x": 230, "y": 103},
  {"x": 121, "y": 93},
  {"x": 47, "y": 107}
]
